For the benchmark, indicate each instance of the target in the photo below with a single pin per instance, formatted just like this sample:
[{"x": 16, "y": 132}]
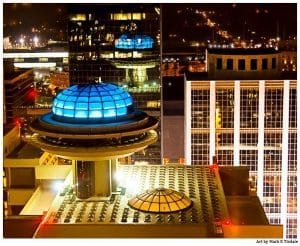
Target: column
[
  {"x": 103, "y": 182},
  {"x": 236, "y": 131},
  {"x": 285, "y": 154},
  {"x": 212, "y": 121},
  {"x": 187, "y": 122},
  {"x": 114, "y": 164},
  {"x": 85, "y": 179},
  {"x": 298, "y": 154},
  {"x": 260, "y": 143}
]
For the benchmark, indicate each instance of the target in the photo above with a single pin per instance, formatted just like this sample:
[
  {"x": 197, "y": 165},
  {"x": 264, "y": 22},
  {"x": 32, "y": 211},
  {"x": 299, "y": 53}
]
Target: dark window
[
  {"x": 229, "y": 64},
  {"x": 253, "y": 64},
  {"x": 264, "y": 63},
  {"x": 22, "y": 177},
  {"x": 242, "y": 65},
  {"x": 273, "y": 63},
  {"x": 219, "y": 63}
]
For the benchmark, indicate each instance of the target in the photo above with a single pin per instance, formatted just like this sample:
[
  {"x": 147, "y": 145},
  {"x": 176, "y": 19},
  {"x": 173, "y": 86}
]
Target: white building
[{"x": 249, "y": 123}]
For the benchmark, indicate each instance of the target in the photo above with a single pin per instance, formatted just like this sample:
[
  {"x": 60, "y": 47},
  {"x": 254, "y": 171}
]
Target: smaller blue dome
[
  {"x": 91, "y": 103},
  {"x": 137, "y": 41}
]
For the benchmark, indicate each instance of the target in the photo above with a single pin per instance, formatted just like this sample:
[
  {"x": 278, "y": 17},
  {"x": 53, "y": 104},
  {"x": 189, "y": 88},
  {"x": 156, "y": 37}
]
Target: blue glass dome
[
  {"x": 134, "y": 42},
  {"x": 92, "y": 102}
]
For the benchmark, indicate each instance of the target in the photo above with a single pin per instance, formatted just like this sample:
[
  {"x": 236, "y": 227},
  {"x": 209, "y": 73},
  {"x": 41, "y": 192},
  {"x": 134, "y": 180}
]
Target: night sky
[{"x": 263, "y": 18}]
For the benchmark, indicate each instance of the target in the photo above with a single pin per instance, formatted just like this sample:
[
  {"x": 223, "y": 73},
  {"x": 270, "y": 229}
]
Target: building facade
[
  {"x": 18, "y": 92},
  {"x": 119, "y": 44},
  {"x": 253, "y": 124},
  {"x": 243, "y": 63}
]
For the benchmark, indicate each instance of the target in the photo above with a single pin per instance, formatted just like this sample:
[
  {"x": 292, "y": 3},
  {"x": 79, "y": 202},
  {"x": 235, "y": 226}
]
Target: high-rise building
[
  {"x": 119, "y": 43},
  {"x": 18, "y": 92},
  {"x": 250, "y": 123}
]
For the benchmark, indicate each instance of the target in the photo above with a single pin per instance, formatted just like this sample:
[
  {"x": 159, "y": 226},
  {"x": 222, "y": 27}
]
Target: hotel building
[{"x": 251, "y": 123}]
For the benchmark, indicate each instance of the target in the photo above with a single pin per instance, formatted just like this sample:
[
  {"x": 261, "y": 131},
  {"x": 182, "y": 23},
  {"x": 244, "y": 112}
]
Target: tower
[{"x": 93, "y": 125}]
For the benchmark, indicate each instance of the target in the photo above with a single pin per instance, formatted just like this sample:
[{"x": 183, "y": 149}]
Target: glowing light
[
  {"x": 214, "y": 167},
  {"x": 226, "y": 222},
  {"x": 134, "y": 42},
  {"x": 36, "y": 55},
  {"x": 18, "y": 122},
  {"x": 58, "y": 185},
  {"x": 94, "y": 102},
  {"x": 32, "y": 94},
  {"x": 132, "y": 186},
  {"x": 35, "y": 40},
  {"x": 35, "y": 64}
]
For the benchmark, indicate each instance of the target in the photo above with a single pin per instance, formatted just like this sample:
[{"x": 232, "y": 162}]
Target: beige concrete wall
[
  {"x": 235, "y": 73},
  {"x": 19, "y": 196},
  {"x": 11, "y": 140},
  {"x": 102, "y": 178},
  {"x": 52, "y": 172}
]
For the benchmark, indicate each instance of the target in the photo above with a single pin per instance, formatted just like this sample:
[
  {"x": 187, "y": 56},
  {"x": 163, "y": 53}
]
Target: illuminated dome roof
[
  {"x": 138, "y": 41},
  {"x": 94, "y": 122},
  {"x": 160, "y": 200},
  {"x": 92, "y": 103}
]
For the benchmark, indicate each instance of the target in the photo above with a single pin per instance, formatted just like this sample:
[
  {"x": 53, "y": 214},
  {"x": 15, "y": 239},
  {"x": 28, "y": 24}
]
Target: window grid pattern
[
  {"x": 224, "y": 139},
  {"x": 248, "y": 139},
  {"x": 249, "y": 104},
  {"x": 225, "y": 157},
  {"x": 292, "y": 194},
  {"x": 273, "y": 107},
  {"x": 291, "y": 228},
  {"x": 200, "y": 149},
  {"x": 292, "y": 157},
  {"x": 249, "y": 108},
  {"x": 293, "y": 108},
  {"x": 272, "y": 160},
  {"x": 200, "y": 108},
  {"x": 248, "y": 158},
  {"x": 274, "y": 220},
  {"x": 92, "y": 101},
  {"x": 271, "y": 191},
  {"x": 225, "y": 104}
]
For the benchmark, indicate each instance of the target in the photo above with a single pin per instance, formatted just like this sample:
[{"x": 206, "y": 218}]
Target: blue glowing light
[
  {"x": 134, "y": 42},
  {"x": 96, "y": 101}
]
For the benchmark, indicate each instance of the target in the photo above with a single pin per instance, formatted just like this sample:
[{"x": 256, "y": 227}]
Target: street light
[
  {"x": 21, "y": 41},
  {"x": 35, "y": 40}
]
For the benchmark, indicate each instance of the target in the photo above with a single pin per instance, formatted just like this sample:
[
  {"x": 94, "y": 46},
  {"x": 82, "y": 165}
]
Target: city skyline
[{"x": 217, "y": 81}]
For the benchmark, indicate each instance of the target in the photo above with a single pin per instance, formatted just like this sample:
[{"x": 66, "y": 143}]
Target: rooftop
[
  {"x": 13, "y": 74},
  {"x": 242, "y": 51},
  {"x": 26, "y": 151}
]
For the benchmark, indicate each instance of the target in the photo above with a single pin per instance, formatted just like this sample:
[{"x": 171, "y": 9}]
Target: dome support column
[{"x": 84, "y": 179}]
